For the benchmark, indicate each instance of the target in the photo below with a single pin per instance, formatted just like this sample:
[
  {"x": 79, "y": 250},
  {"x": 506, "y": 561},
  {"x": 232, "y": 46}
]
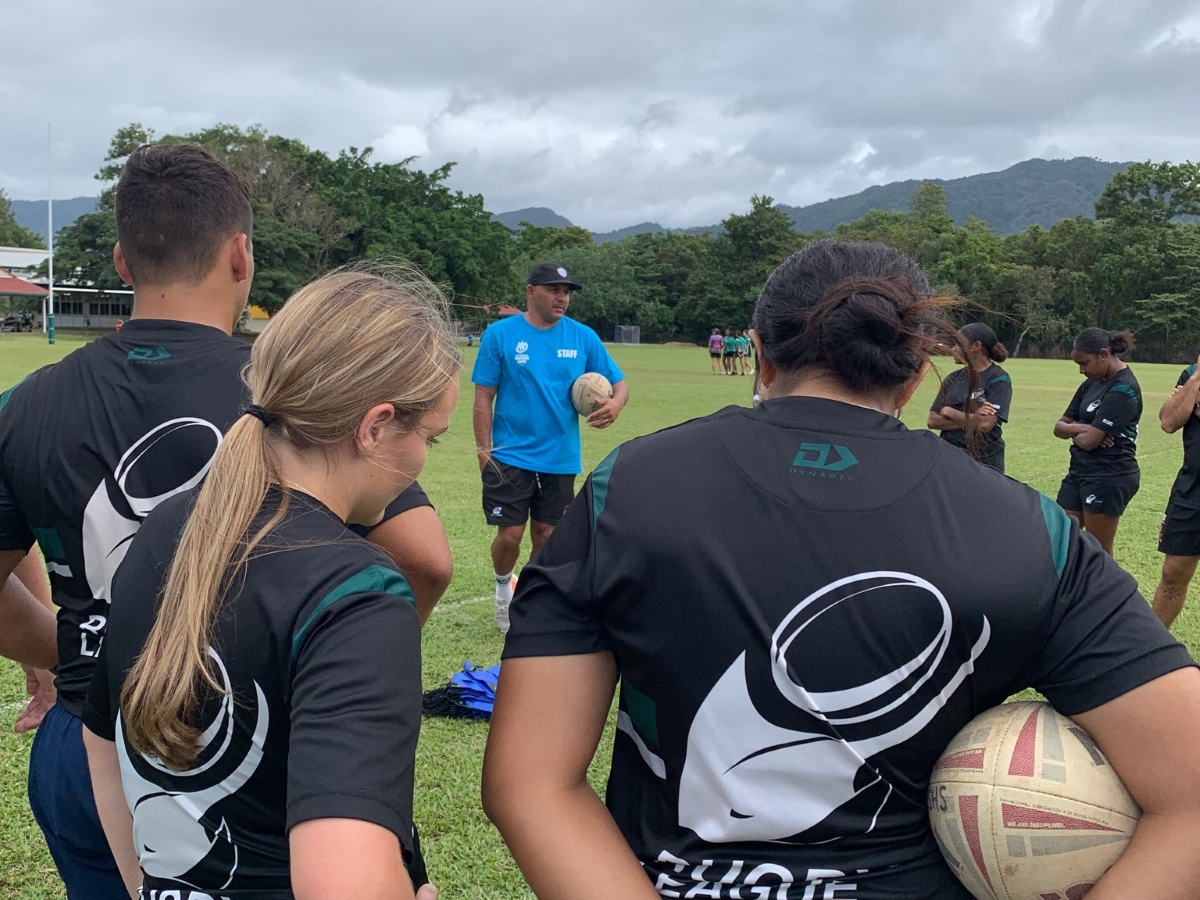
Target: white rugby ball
[
  {"x": 1024, "y": 805},
  {"x": 589, "y": 391}
]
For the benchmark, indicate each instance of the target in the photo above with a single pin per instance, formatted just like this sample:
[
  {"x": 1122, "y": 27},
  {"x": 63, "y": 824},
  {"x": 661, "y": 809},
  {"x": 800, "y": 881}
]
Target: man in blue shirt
[{"x": 528, "y": 444}]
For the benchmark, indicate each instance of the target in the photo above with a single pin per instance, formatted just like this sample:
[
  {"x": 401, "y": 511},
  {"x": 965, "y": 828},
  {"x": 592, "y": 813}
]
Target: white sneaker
[{"x": 504, "y": 595}]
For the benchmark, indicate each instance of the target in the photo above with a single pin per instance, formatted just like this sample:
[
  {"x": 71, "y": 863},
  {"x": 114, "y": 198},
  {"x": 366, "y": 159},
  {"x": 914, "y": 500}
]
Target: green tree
[
  {"x": 734, "y": 266},
  {"x": 1151, "y": 194},
  {"x": 12, "y": 234}
]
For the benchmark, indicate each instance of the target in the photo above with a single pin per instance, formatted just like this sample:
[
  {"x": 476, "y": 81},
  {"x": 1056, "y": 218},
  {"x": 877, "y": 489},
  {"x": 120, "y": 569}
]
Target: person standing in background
[{"x": 526, "y": 430}]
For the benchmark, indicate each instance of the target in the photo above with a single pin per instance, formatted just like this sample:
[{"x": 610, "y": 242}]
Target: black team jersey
[
  {"x": 1113, "y": 405},
  {"x": 786, "y": 687},
  {"x": 91, "y": 444},
  {"x": 994, "y": 387},
  {"x": 320, "y": 653},
  {"x": 1186, "y": 490}
]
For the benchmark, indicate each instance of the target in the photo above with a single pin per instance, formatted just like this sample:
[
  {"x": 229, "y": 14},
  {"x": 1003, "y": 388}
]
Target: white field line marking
[{"x": 464, "y": 602}]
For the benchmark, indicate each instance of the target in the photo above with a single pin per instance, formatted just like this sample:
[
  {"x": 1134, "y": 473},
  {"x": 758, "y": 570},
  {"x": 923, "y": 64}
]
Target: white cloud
[{"x": 619, "y": 112}]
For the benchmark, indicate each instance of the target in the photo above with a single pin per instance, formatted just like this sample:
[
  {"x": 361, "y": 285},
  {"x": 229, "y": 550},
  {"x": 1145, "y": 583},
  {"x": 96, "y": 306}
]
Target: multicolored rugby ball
[
  {"x": 589, "y": 391},
  {"x": 1024, "y": 805}
]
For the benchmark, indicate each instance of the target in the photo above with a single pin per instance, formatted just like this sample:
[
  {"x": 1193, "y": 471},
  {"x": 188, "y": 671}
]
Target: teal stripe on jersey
[
  {"x": 1058, "y": 527},
  {"x": 371, "y": 580},
  {"x": 642, "y": 711},
  {"x": 7, "y": 395},
  {"x": 600, "y": 476},
  {"x": 1126, "y": 389}
]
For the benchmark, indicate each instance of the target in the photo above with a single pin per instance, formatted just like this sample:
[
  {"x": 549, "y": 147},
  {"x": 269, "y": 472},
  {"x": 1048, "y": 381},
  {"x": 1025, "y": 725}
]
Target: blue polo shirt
[{"x": 534, "y": 425}]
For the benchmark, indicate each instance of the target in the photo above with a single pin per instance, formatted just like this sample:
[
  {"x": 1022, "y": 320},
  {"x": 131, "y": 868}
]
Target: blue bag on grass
[{"x": 469, "y": 694}]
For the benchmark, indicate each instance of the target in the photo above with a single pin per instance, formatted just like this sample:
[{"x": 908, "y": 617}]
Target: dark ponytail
[
  {"x": 1093, "y": 340},
  {"x": 861, "y": 311},
  {"x": 977, "y": 331}
]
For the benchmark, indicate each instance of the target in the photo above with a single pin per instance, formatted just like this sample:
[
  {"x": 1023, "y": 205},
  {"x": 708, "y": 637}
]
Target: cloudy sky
[{"x": 614, "y": 112}]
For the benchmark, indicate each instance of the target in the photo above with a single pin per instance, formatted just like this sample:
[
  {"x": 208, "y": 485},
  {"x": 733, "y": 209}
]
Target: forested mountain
[
  {"x": 534, "y": 215},
  {"x": 1034, "y": 192},
  {"x": 32, "y": 213}
]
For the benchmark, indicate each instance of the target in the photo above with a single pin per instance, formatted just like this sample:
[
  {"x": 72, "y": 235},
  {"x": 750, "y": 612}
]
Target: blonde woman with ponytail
[{"x": 258, "y": 697}]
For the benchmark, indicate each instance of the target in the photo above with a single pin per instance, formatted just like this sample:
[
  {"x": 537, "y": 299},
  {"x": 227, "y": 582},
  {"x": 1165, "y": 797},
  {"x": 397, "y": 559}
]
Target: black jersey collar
[{"x": 827, "y": 414}]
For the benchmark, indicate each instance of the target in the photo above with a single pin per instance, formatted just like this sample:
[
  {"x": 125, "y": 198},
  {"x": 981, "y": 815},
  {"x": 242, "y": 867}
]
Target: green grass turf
[{"x": 668, "y": 385}]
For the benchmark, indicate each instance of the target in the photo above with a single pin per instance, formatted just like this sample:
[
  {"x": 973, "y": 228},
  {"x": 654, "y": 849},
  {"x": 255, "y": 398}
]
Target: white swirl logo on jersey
[
  {"x": 746, "y": 778},
  {"x": 1093, "y": 406},
  {"x": 522, "y": 354},
  {"x": 168, "y": 834},
  {"x": 106, "y": 530}
]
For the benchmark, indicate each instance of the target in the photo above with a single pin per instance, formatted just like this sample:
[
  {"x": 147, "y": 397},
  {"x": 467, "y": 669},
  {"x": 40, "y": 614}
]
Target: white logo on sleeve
[
  {"x": 169, "y": 833},
  {"x": 746, "y": 778},
  {"x": 522, "y": 354}
]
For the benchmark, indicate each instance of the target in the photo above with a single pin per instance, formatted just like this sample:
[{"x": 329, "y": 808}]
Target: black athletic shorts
[
  {"x": 1106, "y": 496},
  {"x": 1180, "y": 531},
  {"x": 512, "y": 495},
  {"x": 715, "y": 354}
]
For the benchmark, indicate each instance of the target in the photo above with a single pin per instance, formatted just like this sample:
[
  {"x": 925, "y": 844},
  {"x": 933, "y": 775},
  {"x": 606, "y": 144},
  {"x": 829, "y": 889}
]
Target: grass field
[{"x": 668, "y": 385}]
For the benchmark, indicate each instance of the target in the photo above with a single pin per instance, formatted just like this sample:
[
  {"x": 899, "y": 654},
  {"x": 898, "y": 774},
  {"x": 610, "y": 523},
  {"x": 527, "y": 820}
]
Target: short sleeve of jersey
[
  {"x": 14, "y": 530},
  {"x": 999, "y": 394},
  {"x": 98, "y": 714},
  {"x": 599, "y": 359},
  {"x": 487, "y": 363},
  {"x": 356, "y": 712},
  {"x": 1076, "y": 404},
  {"x": 556, "y": 611},
  {"x": 412, "y": 497},
  {"x": 1118, "y": 408},
  {"x": 1104, "y": 640}
]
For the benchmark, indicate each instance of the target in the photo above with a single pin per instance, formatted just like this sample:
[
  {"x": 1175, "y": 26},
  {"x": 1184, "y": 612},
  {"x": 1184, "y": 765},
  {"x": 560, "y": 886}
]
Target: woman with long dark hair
[
  {"x": 252, "y": 722},
  {"x": 985, "y": 404},
  {"x": 1101, "y": 423},
  {"x": 787, "y": 686}
]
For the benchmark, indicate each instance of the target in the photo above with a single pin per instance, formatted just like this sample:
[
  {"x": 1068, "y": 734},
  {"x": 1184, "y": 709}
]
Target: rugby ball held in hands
[
  {"x": 589, "y": 391},
  {"x": 1024, "y": 804}
]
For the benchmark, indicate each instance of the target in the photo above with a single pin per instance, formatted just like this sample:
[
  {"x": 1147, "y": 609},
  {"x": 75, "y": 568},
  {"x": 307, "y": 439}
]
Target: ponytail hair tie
[{"x": 261, "y": 414}]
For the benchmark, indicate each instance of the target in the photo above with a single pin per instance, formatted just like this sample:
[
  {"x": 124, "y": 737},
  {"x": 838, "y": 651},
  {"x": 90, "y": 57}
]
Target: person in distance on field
[
  {"x": 1179, "y": 537},
  {"x": 728, "y": 351},
  {"x": 1102, "y": 425},
  {"x": 774, "y": 726},
  {"x": 714, "y": 350},
  {"x": 988, "y": 404},
  {"x": 255, "y": 637},
  {"x": 526, "y": 430}
]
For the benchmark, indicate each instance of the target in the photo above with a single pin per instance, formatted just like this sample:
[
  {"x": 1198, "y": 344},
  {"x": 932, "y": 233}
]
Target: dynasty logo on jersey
[
  {"x": 121, "y": 501},
  {"x": 748, "y": 777},
  {"x": 170, "y": 833}
]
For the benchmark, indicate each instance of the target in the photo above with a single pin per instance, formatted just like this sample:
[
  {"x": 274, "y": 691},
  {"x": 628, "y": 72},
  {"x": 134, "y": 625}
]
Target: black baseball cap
[{"x": 551, "y": 273}]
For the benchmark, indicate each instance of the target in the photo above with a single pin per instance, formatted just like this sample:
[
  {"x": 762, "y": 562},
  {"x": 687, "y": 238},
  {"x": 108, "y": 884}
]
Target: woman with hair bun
[
  {"x": 787, "y": 687},
  {"x": 986, "y": 405},
  {"x": 252, "y": 723},
  {"x": 1102, "y": 425}
]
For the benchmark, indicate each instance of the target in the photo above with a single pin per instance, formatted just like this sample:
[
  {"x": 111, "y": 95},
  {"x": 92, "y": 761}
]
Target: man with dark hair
[
  {"x": 90, "y": 445},
  {"x": 528, "y": 445}
]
